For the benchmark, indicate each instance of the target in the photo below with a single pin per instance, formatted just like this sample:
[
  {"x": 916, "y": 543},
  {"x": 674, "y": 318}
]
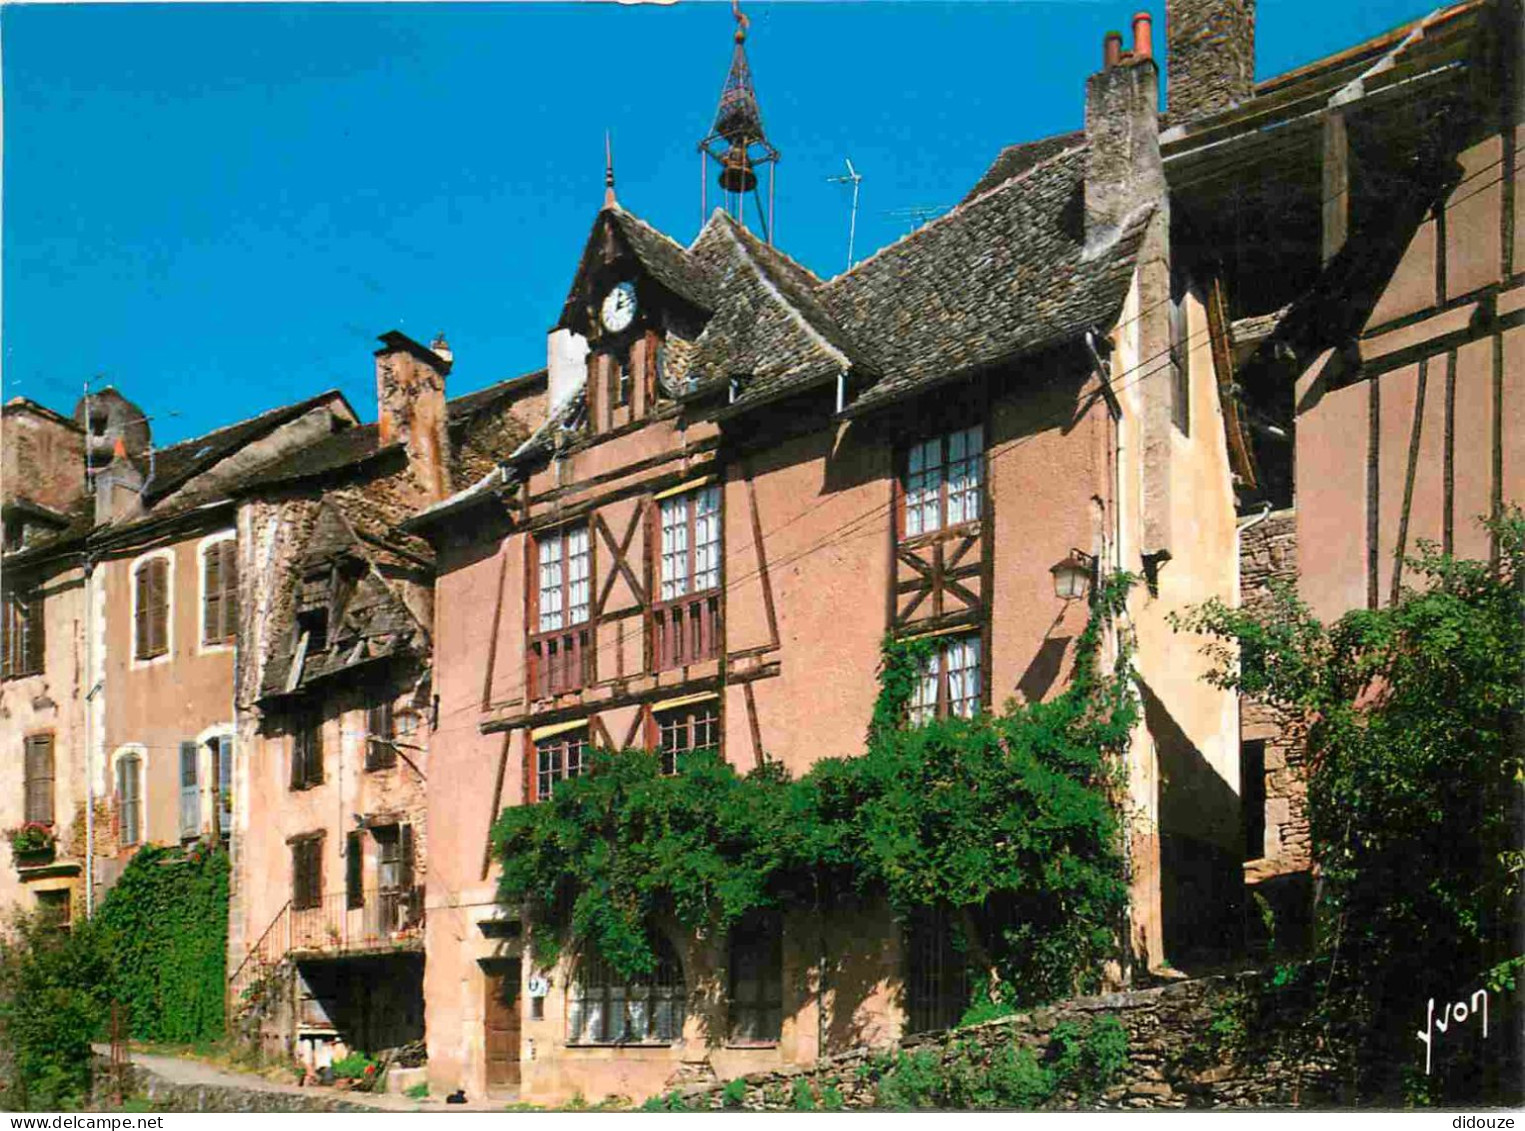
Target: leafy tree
[{"x": 1416, "y": 757}]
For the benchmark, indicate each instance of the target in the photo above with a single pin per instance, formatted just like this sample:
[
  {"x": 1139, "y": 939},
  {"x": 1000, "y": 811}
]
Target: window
[
  {"x": 943, "y": 477},
  {"x": 624, "y": 382},
  {"x": 564, "y": 578},
  {"x": 38, "y": 775},
  {"x": 690, "y": 543},
  {"x": 380, "y": 753},
  {"x": 937, "y": 977},
  {"x": 306, "y": 872},
  {"x": 686, "y": 620},
  {"x": 54, "y": 909},
  {"x": 190, "y": 791},
  {"x": 129, "y": 797},
  {"x": 14, "y": 532},
  {"x": 313, "y": 624},
  {"x": 756, "y": 969},
  {"x": 603, "y": 1007},
  {"x": 564, "y": 601},
  {"x": 307, "y": 749},
  {"x": 950, "y": 681},
  {"x": 557, "y": 758},
  {"x": 23, "y": 630},
  {"x": 222, "y": 774},
  {"x": 1252, "y": 792},
  {"x": 685, "y": 730},
  {"x": 151, "y": 608},
  {"x": 219, "y": 592},
  {"x": 354, "y": 870}
]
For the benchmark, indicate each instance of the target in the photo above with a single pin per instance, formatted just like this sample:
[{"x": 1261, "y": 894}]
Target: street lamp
[{"x": 1073, "y": 575}]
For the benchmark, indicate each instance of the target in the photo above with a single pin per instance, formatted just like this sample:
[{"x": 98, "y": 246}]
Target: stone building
[
  {"x": 120, "y": 632},
  {"x": 331, "y": 844},
  {"x": 746, "y": 476},
  {"x": 1361, "y": 216}
]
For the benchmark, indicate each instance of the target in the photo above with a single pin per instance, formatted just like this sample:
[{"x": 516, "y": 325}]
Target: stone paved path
[{"x": 181, "y": 1070}]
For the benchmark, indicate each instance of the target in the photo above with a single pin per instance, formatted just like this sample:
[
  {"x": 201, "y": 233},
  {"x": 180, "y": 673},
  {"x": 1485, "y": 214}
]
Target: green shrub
[
  {"x": 419, "y": 1091},
  {"x": 734, "y": 1094},
  {"x": 53, "y": 1003},
  {"x": 353, "y": 1066},
  {"x": 803, "y": 1099}
]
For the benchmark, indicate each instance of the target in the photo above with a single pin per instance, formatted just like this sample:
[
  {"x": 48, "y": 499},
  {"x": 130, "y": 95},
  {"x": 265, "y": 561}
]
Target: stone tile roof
[
  {"x": 349, "y": 447},
  {"x": 177, "y": 464},
  {"x": 666, "y": 259},
  {"x": 1000, "y": 276},
  {"x": 1019, "y": 158},
  {"x": 769, "y": 323},
  {"x": 1003, "y": 274},
  {"x": 462, "y": 408}
]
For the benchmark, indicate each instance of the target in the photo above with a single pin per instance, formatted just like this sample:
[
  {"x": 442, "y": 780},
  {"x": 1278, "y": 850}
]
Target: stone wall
[
  {"x": 1221, "y": 1042},
  {"x": 1211, "y": 46},
  {"x": 1279, "y": 874}
]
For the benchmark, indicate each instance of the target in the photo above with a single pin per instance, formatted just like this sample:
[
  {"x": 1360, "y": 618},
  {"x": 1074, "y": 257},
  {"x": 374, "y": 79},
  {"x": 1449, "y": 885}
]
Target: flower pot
[{"x": 33, "y": 857}]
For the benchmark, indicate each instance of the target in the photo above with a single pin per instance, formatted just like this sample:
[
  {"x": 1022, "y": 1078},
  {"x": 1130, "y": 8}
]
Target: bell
[{"x": 737, "y": 175}]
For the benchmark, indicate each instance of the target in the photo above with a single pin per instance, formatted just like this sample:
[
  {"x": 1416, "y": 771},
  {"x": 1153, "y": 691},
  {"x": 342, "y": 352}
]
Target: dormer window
[{"x": 313, "y": 623}]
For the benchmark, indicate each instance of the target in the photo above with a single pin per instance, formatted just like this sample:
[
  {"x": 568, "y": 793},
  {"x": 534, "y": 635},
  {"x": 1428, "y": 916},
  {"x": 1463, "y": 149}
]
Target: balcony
[
  {"x": 387, "y": 919},
  {"x": 559, "y": 661},
  {"x": 686, "y": 631}
]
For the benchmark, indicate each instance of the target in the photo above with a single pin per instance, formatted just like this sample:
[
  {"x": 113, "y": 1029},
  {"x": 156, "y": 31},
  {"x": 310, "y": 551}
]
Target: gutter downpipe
[{"x": 90, "y": 737}]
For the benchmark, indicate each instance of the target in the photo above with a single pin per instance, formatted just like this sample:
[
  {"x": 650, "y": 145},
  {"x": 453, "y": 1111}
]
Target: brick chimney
[
  {"x": 410, "y": 407},
  {"x": 1211, "y": 45},
  {"x": 1123, "y": 169}
]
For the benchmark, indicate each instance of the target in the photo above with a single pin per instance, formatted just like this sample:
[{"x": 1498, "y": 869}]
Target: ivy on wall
[
  {"x": 1007, "y": 823},
  {"x": 163, "y": 931}
]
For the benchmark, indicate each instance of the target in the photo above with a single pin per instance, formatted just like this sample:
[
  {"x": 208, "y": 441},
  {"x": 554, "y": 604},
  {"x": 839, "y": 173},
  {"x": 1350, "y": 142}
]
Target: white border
[
  {"x": 202, "y": 647},
  {"x": 135, "y": 661}
]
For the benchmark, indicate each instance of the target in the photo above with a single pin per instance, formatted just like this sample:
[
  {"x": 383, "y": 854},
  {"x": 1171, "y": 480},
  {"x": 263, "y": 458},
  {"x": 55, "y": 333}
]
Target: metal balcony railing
[{"x": 385, "y": 917}]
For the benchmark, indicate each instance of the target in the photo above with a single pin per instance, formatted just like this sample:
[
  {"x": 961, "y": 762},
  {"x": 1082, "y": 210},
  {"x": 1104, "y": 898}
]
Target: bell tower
[{"x": 737, "y": 144}]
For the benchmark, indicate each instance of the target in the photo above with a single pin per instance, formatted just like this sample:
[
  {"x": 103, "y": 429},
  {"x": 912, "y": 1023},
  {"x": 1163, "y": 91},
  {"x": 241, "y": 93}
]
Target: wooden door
[{"x": 501, "y": 1024}]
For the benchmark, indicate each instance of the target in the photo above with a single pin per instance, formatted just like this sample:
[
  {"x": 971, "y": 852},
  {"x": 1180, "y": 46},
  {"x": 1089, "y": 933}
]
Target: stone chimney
[
  {"x": 566, "y": 363},
  {"x": 1211, "y": 45},
  {"x": 410, "y": 407},
  {"x": 118, "y": 487},
  {"x": 1123, "y": 168}
]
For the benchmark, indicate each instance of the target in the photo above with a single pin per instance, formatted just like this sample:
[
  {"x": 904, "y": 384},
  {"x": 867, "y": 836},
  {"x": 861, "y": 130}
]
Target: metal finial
[
  {"x": 608, "y": 170},
  {"x": 741, "y": 21}
]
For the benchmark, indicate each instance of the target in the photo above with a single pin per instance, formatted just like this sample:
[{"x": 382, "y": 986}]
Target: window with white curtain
[
  {"x": 690, "y": 542},
  {"x": 565, "y": 573},
  {"x": 949, "y": 683},
  {"x": 943, "y": 480}
]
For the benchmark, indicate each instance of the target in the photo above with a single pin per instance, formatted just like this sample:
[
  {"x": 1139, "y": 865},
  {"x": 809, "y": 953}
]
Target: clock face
[{"x": 619, "y": 307}]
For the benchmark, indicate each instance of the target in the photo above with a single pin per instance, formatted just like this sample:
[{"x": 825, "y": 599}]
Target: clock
[{"x": 619, "y": 307}]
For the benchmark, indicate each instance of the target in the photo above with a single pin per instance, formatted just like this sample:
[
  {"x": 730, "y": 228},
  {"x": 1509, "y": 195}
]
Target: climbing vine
[
  {"x": 1007, "y": 823},
  {"x": 163, "y": 932}
]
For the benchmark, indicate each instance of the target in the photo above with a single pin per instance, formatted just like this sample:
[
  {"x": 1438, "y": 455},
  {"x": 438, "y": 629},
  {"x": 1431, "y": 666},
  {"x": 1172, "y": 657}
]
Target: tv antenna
[
  {"x": 918, "y": 214},
  {"x": 854, "y": 178}
]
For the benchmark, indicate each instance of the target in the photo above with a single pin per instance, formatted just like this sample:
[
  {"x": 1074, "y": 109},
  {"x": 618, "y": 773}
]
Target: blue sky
[{"x": 218, "y": 207}]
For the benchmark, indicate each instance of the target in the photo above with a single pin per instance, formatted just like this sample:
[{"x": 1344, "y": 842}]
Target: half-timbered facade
[{"x": 746, "y": 476}]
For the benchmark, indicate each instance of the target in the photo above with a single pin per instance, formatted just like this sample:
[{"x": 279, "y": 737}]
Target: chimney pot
[
  {"x": 1143, "y": 27},
  {"x": 1111, "y": 50}
]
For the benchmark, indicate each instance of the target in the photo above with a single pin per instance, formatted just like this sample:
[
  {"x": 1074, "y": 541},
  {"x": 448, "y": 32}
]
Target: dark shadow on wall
[
  {"x": 371, "y": 1002},
  {"x": 1043, "y": 669},
  {"x": 1201, "y": 873}
]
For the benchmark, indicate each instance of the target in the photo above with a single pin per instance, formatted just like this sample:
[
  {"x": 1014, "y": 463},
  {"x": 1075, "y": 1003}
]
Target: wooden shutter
[
  {"x": 354, "y": 862},
  {"x": 211, "y": 595},
  {"x": 159, "y": 571},
  {"x": 39, "y": 778},
  {"x": 229, "y": 567},
  {"x": 405, "y": 857},
  {"x": 379, "y": 753},
  {"x": 140, "y": 599},
  {"x": 9, "y": 624}
]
